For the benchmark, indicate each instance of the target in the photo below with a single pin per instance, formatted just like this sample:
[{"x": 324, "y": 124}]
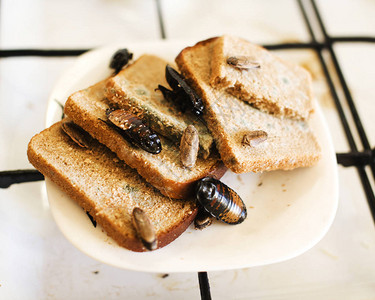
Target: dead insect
[
  {"x": 120, "y": 59},
  {"x": 144, "y": 229},
  {"x": 254, "y": 138},
  {"x": 174, "y": 97},
  {"x": 243, "y": 62},
  {"x": 134, "y": 130},
  {"x": 203, "y": 219},
  {"x": 183, "y": 95},
  {"x": 220, "y": 201},
  {"x": 171, "y": 96},
  {"x": 189, "y": 146},
  {"x": 77, "y": 134}
]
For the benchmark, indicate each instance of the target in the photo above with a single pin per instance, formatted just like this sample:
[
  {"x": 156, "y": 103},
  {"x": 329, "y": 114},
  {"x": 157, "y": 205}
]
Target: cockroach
[
  {"x": 77, "y": 134},
  {"x": 220, "y": 201},
  {"x": 144, "y": 229},
  {"x": 183, "y": 92},
  {"x": 120, "y": 59},
  {"x": 168, "y": 94},
  {"x": 254, "y": 138},
  {"x": 177, "y": 98},
  {"x": 243, "y": 62},
  {"x": 189, "y": 146},
  {"x": 134, "y": 130},
  {"x": 203, "y": 219}
]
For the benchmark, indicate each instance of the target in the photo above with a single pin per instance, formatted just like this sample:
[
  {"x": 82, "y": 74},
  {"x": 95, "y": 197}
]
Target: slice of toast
[
  {"x": 290, "y": 143},
  {"x": 108, "y": 189},
  {"x": 87, "y": 108},
  {"x": 276, "y": 87},
  {"x": 135, "y": 88}
]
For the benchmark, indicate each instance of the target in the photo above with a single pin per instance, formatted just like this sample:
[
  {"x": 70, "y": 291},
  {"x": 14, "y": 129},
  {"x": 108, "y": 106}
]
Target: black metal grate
[{"x": 359, "y": 160}]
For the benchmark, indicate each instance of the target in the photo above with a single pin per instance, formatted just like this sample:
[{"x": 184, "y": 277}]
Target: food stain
[{"x": 329, "y": 254}]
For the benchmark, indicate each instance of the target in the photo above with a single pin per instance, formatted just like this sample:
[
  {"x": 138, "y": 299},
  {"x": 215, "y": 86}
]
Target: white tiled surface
[{"x": 37, "y": 262}]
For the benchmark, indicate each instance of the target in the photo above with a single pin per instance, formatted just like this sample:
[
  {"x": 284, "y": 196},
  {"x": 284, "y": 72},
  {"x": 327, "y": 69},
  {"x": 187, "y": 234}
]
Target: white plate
[{"x": 288, "y": 211}]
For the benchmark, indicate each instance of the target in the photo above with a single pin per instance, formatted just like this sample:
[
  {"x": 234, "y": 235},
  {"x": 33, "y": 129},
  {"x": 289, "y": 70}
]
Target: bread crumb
[{"x": 239, "y": 178}]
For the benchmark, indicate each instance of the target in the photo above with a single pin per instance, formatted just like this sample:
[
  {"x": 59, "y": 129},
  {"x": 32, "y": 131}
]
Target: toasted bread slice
[
  {"x": 135, "y": 88},
  {"x": 290, "y": 143},
  {"x": 276, "y": 87},
  {"x": 108, "y": 189},
  {"x": 87, "y": 108}
]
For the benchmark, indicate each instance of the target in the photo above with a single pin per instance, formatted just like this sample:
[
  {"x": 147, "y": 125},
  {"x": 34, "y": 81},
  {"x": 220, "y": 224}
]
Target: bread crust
[{"x": 47, "y": 163}]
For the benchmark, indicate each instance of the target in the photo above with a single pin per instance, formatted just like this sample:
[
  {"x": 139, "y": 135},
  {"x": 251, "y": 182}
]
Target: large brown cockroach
[
  {"x": 120, "y": 59},
  {"x": 182, "y": 94},
  {"x": 134, "y": 130},
  {"x": 220, "y": 201}
]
